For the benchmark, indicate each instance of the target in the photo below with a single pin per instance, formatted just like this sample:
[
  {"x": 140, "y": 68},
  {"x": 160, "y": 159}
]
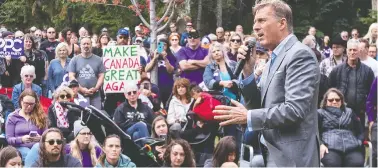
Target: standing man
[
  {"x": 52, "y": 153},
  {"x": 220, "y": 34},
  {"x": 337, "y": 57},
  {"x": 89, "y": 71},
  {"x": 50, "y": 44},
  {"x": 372, "y": 51},
  {"x": 184, "y": 36},
  {"x": 173, "y": 29},
  {"x": 364, "y": 57},
  {"x": 288, "y": 119},
  {"x": 192, "y": 59},
  {"x": 353, "y": 79}
]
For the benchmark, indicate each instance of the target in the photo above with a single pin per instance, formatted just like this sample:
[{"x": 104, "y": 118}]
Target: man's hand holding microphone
[{"x": 237, "y": 113}]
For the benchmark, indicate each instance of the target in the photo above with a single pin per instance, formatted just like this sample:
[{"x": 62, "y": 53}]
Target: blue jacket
[
  {"x": 19, "y": 88},
  {"x": 123, "y": 161},
  {"x": 211, "y": 77}
]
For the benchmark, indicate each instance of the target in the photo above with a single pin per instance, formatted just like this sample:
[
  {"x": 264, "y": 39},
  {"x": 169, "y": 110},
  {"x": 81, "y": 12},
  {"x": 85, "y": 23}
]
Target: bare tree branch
[
  {"x": 169, "y": 20},
  {"x": 139, "y": 13},
  {"x": 166, "y": 12},
  {"x": 98, "y": 3}
]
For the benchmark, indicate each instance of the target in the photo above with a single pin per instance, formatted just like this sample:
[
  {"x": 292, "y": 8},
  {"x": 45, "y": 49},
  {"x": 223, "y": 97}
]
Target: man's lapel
[{"x": 270, "y": 71}]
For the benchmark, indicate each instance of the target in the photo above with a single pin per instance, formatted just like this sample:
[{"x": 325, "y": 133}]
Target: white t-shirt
[{"x": 372, "y": 63}]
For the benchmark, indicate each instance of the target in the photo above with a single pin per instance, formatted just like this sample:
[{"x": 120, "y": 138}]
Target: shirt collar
[{"x": 280, "y": 46}]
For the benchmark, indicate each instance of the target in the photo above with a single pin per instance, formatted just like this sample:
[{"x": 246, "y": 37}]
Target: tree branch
[
  {"x": 169, "y": 20},
  {"x": 139, "y": 13},
  {"x": 166, "y": 12},
  {"x": 98, "y": 3}
]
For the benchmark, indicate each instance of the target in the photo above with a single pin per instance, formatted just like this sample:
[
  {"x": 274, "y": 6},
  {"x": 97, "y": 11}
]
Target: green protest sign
[{"x": 121, "y": 63}]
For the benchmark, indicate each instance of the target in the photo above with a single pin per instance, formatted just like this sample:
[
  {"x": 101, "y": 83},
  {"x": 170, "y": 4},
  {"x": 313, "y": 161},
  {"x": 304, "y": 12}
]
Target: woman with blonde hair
[
  {"x": 58, "y": 115},
  {"x": 25, "y": 125},
  {"x": 84, "y": 147},
  {"x": 58, "y": 66},
  {"x": 372, "y": 34}
]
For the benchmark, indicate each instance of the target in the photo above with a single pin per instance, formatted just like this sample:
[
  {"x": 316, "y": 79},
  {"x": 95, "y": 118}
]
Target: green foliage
[{"x": 371, "y": 18}]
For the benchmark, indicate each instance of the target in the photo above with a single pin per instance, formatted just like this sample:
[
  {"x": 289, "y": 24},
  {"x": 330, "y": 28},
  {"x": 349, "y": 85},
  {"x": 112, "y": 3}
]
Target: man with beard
[
  {"x": 89, "y": 71},
  {"x": 51, "y": 151}
]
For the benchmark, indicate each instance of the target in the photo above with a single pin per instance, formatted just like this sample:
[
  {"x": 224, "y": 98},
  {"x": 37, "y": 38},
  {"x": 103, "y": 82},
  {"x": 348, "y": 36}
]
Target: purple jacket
[
  {"x": 371, "y": 102},
  {"x": 16, "y": 127}
]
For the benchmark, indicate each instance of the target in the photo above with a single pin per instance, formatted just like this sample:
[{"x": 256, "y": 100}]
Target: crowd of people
[{"x": 188, "y": 67}]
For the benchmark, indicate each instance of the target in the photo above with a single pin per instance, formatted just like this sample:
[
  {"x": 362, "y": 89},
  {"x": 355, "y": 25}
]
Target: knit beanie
[{"x": 78, "y": 127}]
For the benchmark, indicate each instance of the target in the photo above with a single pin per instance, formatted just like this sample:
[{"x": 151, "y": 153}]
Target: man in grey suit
[{"x": 289, "y": 91}]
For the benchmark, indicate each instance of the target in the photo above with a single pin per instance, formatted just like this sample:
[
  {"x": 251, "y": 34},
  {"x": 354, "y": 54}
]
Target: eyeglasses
[
  {"x": 52, "y": 141},
  {"x": 236, "y": 40},
  {"x": 132, "y": 92},
  {"x": 51, "y": 32},
  {"x": 138, "y": 41},
  {"x": 63, "y": 96},
  {"x": 86, "y": 133},
  {"x": 28, "y": 103},
  {"x": 332, "y": 100},
  {"x": 29, "y": 76},
  {"x": 174, "y": 39}
]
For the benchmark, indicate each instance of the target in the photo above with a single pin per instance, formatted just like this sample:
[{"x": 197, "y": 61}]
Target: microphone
[{"x": 240, "y": 65}]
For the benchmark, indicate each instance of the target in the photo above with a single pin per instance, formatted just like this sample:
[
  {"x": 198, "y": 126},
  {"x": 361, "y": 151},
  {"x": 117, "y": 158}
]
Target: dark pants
[
  {"x": 374, "y": 143},
  {"x": 354, "y": 158}
]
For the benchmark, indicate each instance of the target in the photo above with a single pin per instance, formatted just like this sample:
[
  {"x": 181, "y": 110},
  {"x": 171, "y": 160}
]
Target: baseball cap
[
  {"x": 123, "y": 31},
  {"x": 33, "y": 29},
  {"x": 139, "y": 38},
  {"x": 7, "y": 33},
  {"x": 104, "y": 29},
  {"x": 193, "y": 33}
]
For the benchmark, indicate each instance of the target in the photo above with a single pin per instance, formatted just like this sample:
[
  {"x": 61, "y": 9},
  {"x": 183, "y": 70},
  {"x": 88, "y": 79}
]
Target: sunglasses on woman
[
  {"x": 63, "y": 96},
  {"x": 332, "y": 100},
  {"x": 86, "y": 133},
  {"x": 27, "y": 76},
  {"x": 53, "y": 141},
  {"x": 237, "y": 40}
]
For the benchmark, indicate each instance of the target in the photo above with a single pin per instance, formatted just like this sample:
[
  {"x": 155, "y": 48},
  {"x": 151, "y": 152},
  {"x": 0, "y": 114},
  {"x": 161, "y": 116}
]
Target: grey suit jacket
[{"x": 288, "y": 117}]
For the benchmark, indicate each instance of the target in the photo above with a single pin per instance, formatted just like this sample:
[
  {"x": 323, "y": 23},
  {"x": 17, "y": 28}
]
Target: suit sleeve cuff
[
  {"x": 249, "y": 121},
  {"x": 247, "y": 80}
]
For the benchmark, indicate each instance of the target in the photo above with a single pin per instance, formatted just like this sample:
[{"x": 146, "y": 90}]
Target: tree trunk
[
  {"x": 187, "y": 7},
  {"x": 199, "y": 16},
  {"x": 374, "y": 4},
  {"x": 219, "y": 13},
  {"x": 154, "y": 74}
]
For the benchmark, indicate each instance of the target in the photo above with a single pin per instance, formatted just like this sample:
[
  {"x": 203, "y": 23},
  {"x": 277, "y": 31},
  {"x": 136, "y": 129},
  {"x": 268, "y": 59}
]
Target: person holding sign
[
  {"x": 166, "y": 63},
  {"x": 89, "y": 71}
]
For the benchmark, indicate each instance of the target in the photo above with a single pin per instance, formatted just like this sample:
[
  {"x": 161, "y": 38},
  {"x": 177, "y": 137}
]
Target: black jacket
[
  {"x": 67, "y": 132},
  {"x": 339, "y": 130},
  {"x": 125, "y": 116},
  {"x": 339, "y": 78}
]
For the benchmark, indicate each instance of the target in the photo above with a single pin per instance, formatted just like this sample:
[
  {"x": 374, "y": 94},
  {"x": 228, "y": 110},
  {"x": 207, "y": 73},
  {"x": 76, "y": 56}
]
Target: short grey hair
[
  {"x": 27, "y": 70},
  {"x": 130, "y": 86},
  {"x": 309, "y": 41},
  {"x": 352, "y": 42},
  {"x": 59, "y": 46},
  {"x": 281, "y": 8},
  {"x": 61, "y": 89}
]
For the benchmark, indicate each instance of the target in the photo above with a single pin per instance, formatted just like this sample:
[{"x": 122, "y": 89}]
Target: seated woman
[
  {"x": 159, "y": 129},
  {"x": 84, "y": 147},
  {"x": 225, "y": 151},
  {"x": 179, "y": 154},
  {"x": 112, "y": 156},
  {"x": 59, "y": 116},
  {"x": 10, "y": 157},
  {"x": 340, "y": 133},
  {"x": 27, "y": 77},
  {"x": 24, "y": 126},
  {"x": 180, "y": 103}
]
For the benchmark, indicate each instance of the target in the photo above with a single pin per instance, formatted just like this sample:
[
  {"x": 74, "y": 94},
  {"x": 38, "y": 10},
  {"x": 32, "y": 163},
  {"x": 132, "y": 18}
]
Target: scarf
[{"x": 61, "y": 116}]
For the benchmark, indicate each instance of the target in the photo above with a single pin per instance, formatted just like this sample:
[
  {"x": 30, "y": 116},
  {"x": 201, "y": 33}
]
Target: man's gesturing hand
[{"x": 231, "y": 115}]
